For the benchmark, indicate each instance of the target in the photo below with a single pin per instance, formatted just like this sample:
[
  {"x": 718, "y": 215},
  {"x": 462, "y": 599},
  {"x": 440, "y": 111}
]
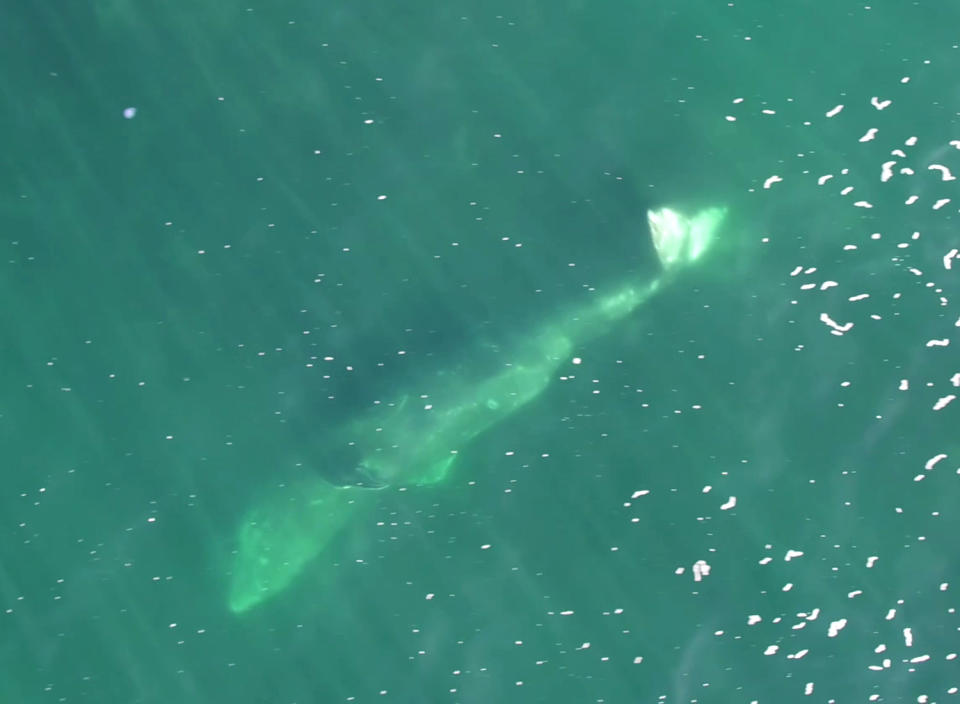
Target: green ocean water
[{"x": 310, "y": 204}]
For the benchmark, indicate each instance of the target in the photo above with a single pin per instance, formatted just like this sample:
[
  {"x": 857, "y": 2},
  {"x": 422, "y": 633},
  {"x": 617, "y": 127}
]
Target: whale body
[{"x": 417, "y": 439}]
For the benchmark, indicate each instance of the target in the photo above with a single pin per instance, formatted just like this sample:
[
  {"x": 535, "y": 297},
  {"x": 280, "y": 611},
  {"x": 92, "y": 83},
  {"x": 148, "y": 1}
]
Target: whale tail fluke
[{"x": 681, "y": 239}]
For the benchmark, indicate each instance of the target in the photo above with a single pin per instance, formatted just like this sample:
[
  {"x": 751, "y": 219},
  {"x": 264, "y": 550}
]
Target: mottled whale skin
[{"x": 417, "y": 438}]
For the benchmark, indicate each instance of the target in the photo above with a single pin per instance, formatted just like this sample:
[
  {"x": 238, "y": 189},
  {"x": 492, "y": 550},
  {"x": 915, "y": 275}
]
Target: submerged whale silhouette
[{"x": 416, "y": 439}]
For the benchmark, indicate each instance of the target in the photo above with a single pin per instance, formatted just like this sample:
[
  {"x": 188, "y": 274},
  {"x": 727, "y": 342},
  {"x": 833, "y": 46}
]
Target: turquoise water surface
[{"x": 230, "y": 230}]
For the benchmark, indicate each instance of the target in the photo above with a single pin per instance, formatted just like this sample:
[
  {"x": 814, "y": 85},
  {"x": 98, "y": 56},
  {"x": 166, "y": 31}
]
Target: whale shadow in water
[{"x": 474, "y": 331}]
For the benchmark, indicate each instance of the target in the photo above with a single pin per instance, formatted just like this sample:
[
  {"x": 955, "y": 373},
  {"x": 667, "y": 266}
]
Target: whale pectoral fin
[
  {"x": 436, "y": 472},
  {"x": 362, "y": 479}
]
